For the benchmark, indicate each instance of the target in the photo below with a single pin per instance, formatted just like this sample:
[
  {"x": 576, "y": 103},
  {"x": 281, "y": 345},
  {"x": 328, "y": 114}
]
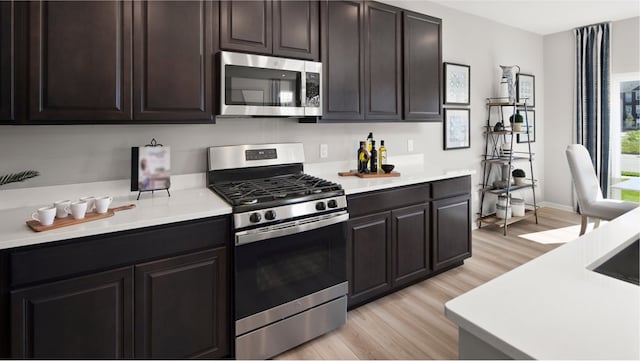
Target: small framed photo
[
  {"x": 526, "y": 89},
  {"x": 530, "y": 122},
  {"x": 150, "y": 168},
  {"x": 457, "y": 79},
  {"x": 456, "y": 128}
]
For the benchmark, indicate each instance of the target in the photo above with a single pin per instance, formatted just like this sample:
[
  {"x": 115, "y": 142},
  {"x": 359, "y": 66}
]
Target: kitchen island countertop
[{"x": 555, "y": 306}]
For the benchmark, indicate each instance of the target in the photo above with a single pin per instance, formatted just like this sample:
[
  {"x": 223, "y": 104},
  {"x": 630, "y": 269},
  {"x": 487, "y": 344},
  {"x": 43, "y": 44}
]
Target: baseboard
[{"x": 557, "y": 206}]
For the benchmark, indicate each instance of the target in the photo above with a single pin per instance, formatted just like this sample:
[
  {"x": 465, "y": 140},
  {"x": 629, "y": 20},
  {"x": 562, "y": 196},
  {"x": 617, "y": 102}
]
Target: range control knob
[
  {"x": 270, "y": 215},
  {"x": 255, "y": 217},
  {"x": 332, "y": 203},
  {"x": 321, "y": 206}
]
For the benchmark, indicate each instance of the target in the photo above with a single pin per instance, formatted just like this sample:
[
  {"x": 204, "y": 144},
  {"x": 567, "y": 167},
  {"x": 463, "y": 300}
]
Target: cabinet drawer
[
  {"x": 115, "y": 249},
  {"x": 451, "y": 187},
  {"x": 377, "y": 201}
]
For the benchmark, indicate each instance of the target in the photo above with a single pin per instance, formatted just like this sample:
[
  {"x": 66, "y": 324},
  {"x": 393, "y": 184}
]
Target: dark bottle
[{"x": 374, "y": 157}]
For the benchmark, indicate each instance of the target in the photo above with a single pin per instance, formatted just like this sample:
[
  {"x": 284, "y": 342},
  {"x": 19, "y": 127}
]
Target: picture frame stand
[{"x": 153, "y": 143}]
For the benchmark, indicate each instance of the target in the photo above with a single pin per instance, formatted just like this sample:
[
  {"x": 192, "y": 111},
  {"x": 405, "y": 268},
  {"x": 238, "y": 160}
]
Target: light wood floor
[{"x": 410, "y": 324}]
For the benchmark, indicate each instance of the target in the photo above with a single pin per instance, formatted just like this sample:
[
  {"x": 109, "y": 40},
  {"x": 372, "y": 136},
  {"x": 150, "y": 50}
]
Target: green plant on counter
[
  {"x": 18, "y": 177},
  {"x": 518, "y": 173}
]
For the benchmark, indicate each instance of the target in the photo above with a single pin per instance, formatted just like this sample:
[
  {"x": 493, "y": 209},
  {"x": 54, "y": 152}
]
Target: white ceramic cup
[
  {"x": 102, "y": 204},
  {"x": 91, "y": 202},
  {"x": 61, "y": 208},
  {"x": 45, "y": 215},
  {"x": 77, "y": 209}
]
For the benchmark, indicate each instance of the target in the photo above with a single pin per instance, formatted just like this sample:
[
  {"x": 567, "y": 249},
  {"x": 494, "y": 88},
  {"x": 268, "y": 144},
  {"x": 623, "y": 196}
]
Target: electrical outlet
[
  {"x": 324, "y": 150},
  {"x": 410, "y": 145}
]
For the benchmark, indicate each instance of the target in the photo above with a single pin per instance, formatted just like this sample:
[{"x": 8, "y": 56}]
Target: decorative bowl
[{"x": 387, "y": 168}]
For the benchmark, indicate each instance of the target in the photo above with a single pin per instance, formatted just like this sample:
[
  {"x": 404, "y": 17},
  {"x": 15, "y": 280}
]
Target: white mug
[
  {"x": 102, "y": 204},
  {"x": 45, "y": 215},
  {"x": 77, "y": 209},
  {"x": 91, "y": 201},
  {"x": 61, "y": 208}
]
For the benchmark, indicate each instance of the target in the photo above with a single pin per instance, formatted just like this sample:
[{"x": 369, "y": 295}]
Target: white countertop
[
  {"x": 150, "y": 210},
  {"x": 555, "y": 307},
  {"x": 190, "y": 199},
  {"x": 412, "y": 168}
]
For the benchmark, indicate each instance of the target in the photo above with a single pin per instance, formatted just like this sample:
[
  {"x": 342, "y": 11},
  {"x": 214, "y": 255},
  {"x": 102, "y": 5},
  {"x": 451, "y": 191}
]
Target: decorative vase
[
  {"x": 519, "y": 181},
  {"x": 517, "y": 127}
]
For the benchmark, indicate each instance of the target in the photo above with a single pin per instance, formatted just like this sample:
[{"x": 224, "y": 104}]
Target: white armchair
[{"x": 592, "y": 203}]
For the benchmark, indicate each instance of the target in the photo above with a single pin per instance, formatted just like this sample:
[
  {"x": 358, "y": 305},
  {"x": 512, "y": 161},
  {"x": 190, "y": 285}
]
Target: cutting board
[
  {"x": 70, "y": 221},
  {"x": 368, "y": 175}
]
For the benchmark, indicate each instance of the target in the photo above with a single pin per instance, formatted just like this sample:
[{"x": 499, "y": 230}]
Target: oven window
[
  {"x": 278, "y": 270},
  {"x": 261, "y": 87}
]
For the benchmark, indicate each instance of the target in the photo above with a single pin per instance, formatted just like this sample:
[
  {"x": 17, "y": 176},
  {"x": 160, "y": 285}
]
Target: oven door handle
[{"x": 245, "y": 237}]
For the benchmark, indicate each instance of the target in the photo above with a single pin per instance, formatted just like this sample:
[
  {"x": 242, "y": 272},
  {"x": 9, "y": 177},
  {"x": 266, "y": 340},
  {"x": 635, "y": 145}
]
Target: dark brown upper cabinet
[
  {"x": 79, "y": 62},
  {"x": 342, "y": 28},
  {"x": 246, "y": 26},
  {"x": 173, "y": 44},
  {"x": 6, "y": 61},
  {"x": 281, "y": 28},
  {"x": 295, "y": 29},
  {"x": 382, "y": 62},
  {"x": 422, "y": 67}
]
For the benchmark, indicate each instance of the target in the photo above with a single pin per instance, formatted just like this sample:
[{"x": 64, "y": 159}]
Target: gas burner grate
[{"x": 273, "y": 188}]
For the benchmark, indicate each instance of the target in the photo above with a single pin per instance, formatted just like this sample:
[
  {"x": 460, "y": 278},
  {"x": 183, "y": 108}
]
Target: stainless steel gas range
[{"x": 290, "y": 246}]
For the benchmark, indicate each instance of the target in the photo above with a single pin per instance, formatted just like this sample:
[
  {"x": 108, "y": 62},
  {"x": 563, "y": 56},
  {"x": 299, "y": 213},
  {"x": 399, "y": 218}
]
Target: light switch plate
[{"x": 410, "y": 145}]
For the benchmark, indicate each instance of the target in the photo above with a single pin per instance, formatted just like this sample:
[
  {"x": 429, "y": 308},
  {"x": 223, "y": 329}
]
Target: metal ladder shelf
[{"x": 493, "y": 156}]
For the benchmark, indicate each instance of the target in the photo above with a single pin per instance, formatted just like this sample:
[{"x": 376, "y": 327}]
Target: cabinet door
[
  {"x": 342, "y": 58},
  {"x": 369, "y": 257},
  {"x": 6, "y": 61},
  {"x": 422, "y": 68},
  {"x": 246, "y": 26},
  {"x": 80, "y": 60},
  {"x": 173, "y": 42},
  {"x": 87, "y": 317},
  {"x": 451, "y": 220},
  {"x": 295, "y": 29},
  {"x": 383, "y": 67},
  {"x": 182, "y": 308},
  {"x": 411, "y": 253}
]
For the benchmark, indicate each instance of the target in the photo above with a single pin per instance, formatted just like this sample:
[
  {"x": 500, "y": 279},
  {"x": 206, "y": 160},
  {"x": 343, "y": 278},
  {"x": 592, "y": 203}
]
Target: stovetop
[{"x": 246, "y": 195}]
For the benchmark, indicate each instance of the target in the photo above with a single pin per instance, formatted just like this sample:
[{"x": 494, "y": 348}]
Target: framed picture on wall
[
  {"x": 526, "y": 89},
  {"x": 456, "y": 128},
  {"x": 457, "y": 79},
  {"x": 530, "y": 136}
]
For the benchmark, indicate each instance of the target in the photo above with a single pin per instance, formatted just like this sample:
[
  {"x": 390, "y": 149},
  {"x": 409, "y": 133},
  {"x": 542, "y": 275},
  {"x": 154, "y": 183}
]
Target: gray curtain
[{"x": 592, "y": 96}]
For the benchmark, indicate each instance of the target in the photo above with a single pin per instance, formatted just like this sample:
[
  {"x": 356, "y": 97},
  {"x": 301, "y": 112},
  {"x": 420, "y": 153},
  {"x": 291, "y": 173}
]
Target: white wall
[
  {"x": 71, "y": 154},
  {"x": 559, "y": 58}
]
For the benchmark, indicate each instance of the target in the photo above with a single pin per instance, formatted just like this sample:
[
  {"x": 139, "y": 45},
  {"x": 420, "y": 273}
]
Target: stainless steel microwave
[{"x": 269, "y": 86}]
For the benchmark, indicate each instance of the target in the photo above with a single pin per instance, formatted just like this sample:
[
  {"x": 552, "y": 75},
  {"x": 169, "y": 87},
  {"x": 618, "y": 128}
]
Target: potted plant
[
  {"x": 18, "y": 177},
  {"x": 516, "y": 121},
  {"x": 518, "y": 176}
]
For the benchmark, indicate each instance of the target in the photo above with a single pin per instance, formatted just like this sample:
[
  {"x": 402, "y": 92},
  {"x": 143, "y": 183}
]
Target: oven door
[{"x": 307, "y": 266}]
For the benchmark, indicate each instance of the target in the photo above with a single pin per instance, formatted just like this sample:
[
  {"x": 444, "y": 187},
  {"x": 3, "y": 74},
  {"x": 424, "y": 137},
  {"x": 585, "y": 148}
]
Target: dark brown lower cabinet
[
  {"x": 403, "y": 235},
  {"x": 451, "y": 230},
  {"x": 180, "y": 307},
  {"x": 166, "y": 296},
  {"x": 85, "y": 317},
  {"x": 369, "y": 257},
  {"x": 411, "y": 237}
]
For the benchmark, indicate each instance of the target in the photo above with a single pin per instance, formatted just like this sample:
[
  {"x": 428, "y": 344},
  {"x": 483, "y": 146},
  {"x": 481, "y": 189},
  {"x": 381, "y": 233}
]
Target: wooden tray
[
  {"x": 69, "y": 221},
  {"x": 368, "y": 175}
]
